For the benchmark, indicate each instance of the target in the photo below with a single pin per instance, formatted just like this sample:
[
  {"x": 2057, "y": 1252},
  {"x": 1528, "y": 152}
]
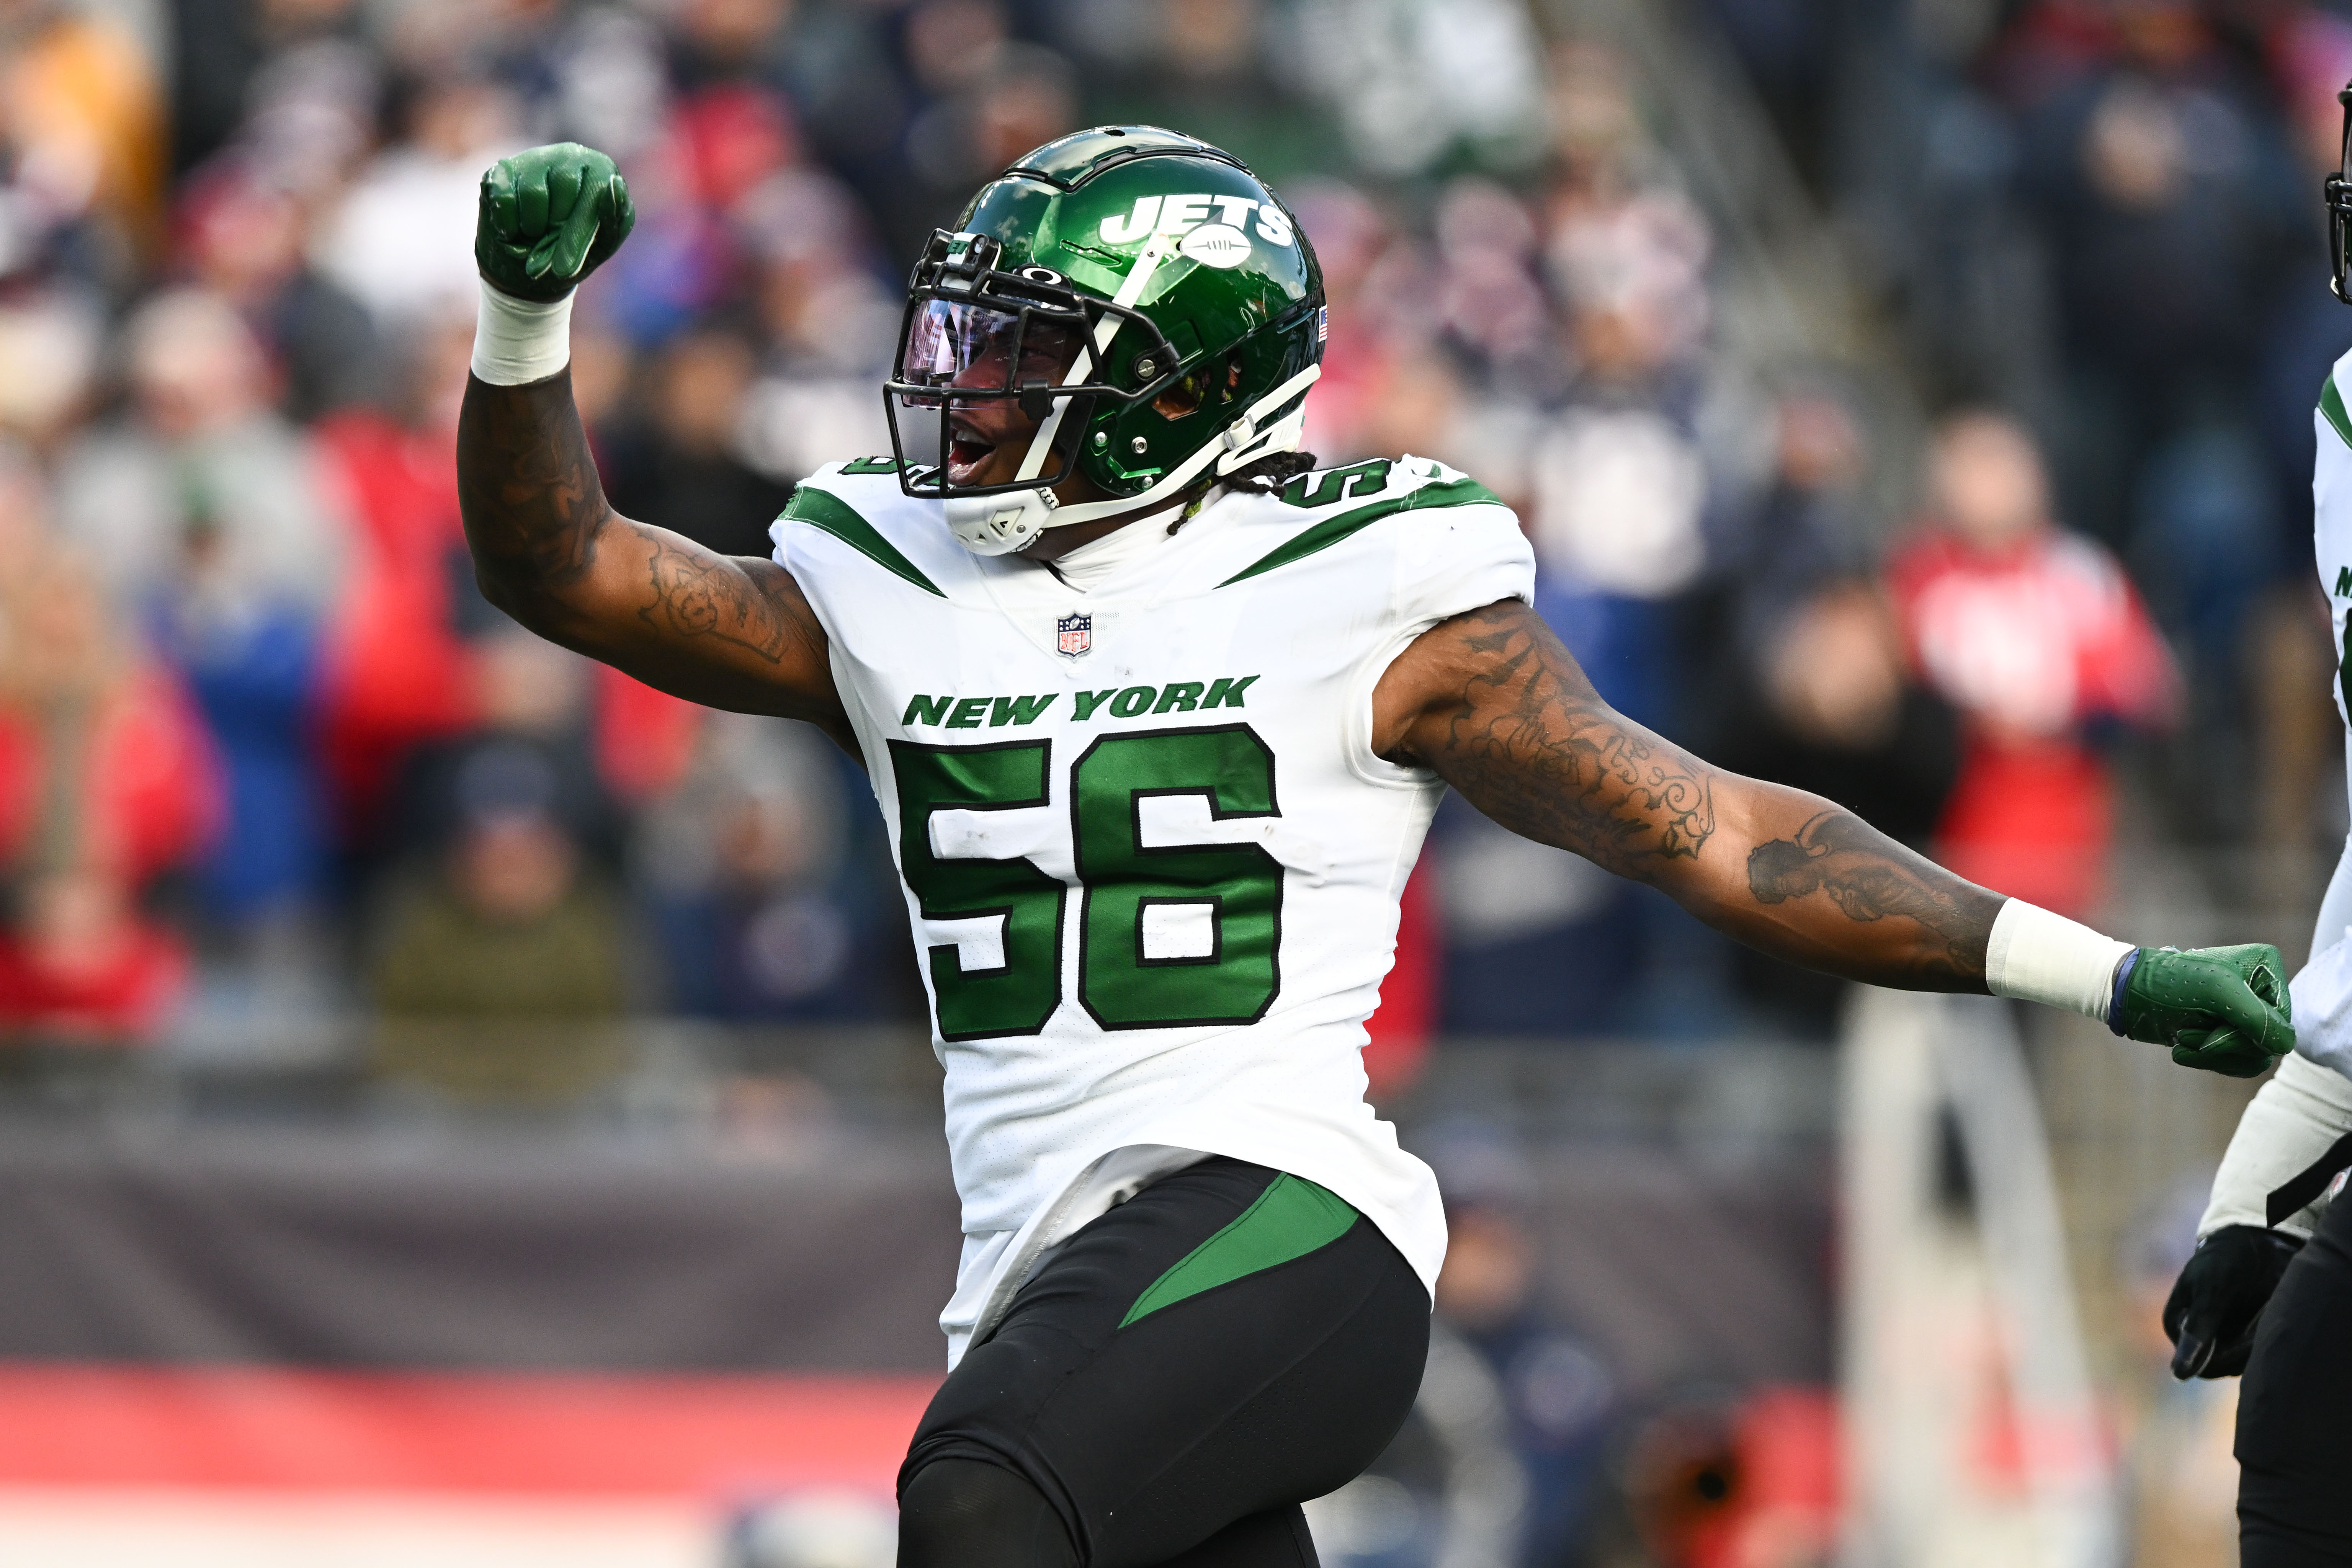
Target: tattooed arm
[
  {"x": 550, "y": 550},
  {"x": 1498, "y": 708}
]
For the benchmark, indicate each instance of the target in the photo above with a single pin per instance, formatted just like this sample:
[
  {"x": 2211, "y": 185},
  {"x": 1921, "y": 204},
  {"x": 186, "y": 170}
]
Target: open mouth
[{"x": 968, "y": 453}]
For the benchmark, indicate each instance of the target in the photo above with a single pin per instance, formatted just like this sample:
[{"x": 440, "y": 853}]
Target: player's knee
[{"x": 969, "y": 1513}]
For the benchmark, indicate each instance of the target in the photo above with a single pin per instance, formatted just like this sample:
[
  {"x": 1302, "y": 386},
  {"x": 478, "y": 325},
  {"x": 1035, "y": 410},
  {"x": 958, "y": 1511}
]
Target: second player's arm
[
  {"x": 1495, "y": 705},
  {"x": 549, "y": 550}
]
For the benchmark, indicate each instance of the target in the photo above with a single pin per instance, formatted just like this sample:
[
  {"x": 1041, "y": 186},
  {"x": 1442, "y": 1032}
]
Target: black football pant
[
  {"x": 2294, "y": 1411},
  {"x": 1172, "y": 1385}
]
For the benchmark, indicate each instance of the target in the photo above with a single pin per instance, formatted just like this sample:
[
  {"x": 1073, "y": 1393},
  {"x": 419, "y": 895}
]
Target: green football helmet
[{"x": 1136, "y": 301}]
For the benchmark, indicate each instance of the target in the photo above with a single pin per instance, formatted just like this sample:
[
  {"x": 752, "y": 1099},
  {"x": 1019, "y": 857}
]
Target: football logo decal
[
  {"x": 1074, "y": 635},
  {"x": 1215, "y": 244}
]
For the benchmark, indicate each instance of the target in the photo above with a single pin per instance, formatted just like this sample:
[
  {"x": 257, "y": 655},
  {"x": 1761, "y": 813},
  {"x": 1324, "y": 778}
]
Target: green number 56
[{"x": 1169, "y": 935}]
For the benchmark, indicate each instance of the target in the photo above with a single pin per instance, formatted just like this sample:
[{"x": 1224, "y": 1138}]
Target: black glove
[{"x": 2218, "y": 1299}]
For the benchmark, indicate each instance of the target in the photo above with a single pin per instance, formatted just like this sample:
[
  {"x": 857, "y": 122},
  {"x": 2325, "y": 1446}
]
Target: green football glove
[
  {"x": 547, "y": 218},
  {"x": 2224, "y": 1010}
]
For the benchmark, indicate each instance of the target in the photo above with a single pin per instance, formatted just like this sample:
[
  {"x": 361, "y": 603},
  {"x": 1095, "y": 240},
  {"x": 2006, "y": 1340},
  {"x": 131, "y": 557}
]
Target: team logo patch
[
  {"x": 1215, "y": 244},
  {"x": 1074, "y": 635}
]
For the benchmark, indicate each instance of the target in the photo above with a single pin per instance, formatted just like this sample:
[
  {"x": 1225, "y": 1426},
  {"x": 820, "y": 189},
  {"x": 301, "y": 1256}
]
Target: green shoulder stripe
[
  {"x": 2331, "y": 404},
  {"x": 1290, "y": 1219},
  {"x": 821, "y": 509},
  {"x": 1331, "y": 531}
]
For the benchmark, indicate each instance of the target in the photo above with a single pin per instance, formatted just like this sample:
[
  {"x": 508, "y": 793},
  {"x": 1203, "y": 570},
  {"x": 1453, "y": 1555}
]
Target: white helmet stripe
[{"x": 1130, "y": 290}]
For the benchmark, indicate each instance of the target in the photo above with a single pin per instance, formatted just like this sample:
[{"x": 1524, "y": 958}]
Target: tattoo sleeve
[
  {"x": 1501, "y": 711},
  {"x": 727, "y": 631},
  {"x": 1532, "y": 745},
  {"x": 1869, "y": 878},
  {"x": 527, "y": 484},
  {"x": 697, "y": 595}
]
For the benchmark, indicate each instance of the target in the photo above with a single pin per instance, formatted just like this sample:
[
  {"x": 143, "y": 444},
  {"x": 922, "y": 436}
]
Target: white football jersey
[
  {"x": 2331, "y": 515},
  {"x": 1151, "y": 862}
]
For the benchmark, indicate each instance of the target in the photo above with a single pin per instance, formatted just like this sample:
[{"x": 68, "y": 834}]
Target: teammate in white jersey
[
  {"x": 2271, "y": 1226},
  {"x": 1157, "y": 714}
]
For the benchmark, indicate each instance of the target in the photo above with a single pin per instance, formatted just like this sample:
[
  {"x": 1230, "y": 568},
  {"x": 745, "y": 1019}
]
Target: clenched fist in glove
[
  {"x": 2224, "y": 1010},
  {"x": 547, "y": 218}
]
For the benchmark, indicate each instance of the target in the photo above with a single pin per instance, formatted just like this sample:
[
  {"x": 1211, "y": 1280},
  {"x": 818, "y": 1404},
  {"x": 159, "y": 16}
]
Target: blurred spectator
[
  {"x": 244, "y": 236},
  {"x": 1620, "y": 491},
  {"x": 503, "y": 947},
  {"x": 1559, "y": 1396},
  {"x": 403, "y": 239},
  {"x": 210, "y": 518},
  {"x": 2167, "y": 203},
  {"x": 1413, "y": 82},
  {"x": 829, "y": 326},
  {"x": 1833, "y": 706},
  {"x": 105, "y": 781},
  {"x": 739, "y": 864},
  {"x": 678, "y": 465},
  {"x": 80, "y": 132},
  {"x": 716, "y": 150},
  {"x": 2035, "y": 635},
  {"x": 1350, "y": 235},
  {"x": 486, "y": 972},
  {"x": 222, "y": 57},
  {"x": 534, "y": 739},
  {"x": 400, "y": 668},
  {"x": 1621, "y": 485}
]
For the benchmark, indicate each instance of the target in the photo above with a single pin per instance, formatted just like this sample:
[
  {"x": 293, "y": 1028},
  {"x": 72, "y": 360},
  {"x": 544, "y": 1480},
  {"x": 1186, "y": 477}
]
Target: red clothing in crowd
[
  {"x": 151, "y": 800},
  {"x": 397, "y": 671},
  {"x": 153, "y": 787},
  {"x": 401, "y": 673},
  {"x": 2031, "y": 643},
  {"x": 119, "y": 994}
]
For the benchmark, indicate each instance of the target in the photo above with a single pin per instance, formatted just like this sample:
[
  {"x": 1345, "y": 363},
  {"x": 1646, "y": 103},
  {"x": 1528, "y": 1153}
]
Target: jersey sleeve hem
[
  {"x": 819, "y": 507},
  {"x": 1432, "y": 587}
]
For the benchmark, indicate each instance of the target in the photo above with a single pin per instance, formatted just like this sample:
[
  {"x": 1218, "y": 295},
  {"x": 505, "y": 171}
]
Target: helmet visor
[{"x": 954, "y": 344}]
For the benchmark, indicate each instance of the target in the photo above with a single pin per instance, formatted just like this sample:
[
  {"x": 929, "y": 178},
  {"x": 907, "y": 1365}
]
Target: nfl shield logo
[{"x": 1074, "y": 635}]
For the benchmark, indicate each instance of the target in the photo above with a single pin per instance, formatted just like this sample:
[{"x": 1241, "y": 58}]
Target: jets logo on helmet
[
  {"x": 1175, "y": 214},
  {"x": 1125, "y": 305}
]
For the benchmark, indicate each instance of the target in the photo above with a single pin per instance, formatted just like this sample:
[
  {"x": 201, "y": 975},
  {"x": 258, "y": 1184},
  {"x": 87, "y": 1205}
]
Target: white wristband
[
  {"x": 518, "y": 340},
  {"x": 2039, "y": 957}
]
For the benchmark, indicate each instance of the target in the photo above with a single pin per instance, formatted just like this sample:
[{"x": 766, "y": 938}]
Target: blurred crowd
[{"x": 269, "y": 760}]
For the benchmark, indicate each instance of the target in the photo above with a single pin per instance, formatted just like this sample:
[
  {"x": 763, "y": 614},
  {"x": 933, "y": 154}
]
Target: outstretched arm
[
  {"x": 549, "y": 550},
  {"x": 1496, "y": 706}
]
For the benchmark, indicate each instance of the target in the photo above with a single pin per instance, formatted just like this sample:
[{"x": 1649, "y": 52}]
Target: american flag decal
[
  {"x": 1074, "y": 635},
  {"x": 1322, "y": 324}
]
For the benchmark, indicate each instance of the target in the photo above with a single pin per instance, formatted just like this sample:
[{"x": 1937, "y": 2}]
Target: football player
[
  {"x": 2268, "y": 1292},
  {"x": 1157, "y": 714}
]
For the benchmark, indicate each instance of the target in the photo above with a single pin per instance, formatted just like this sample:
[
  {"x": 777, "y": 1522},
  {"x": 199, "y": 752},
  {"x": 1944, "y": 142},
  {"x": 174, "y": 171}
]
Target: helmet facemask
[
  {"x": 2339, "y": 190},
  {"x": 988, "y": 358}
]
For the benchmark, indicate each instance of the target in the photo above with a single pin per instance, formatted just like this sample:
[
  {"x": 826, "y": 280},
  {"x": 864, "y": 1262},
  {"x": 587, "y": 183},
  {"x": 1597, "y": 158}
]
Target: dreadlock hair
[
  {"x": 1271, "y": 471},
  {"x": 1263, "y": 477}
]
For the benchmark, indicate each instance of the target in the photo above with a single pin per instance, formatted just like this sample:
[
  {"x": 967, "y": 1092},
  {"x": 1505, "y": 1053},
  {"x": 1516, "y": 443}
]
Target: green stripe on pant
[{"x": 1290, "y": 1219}]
